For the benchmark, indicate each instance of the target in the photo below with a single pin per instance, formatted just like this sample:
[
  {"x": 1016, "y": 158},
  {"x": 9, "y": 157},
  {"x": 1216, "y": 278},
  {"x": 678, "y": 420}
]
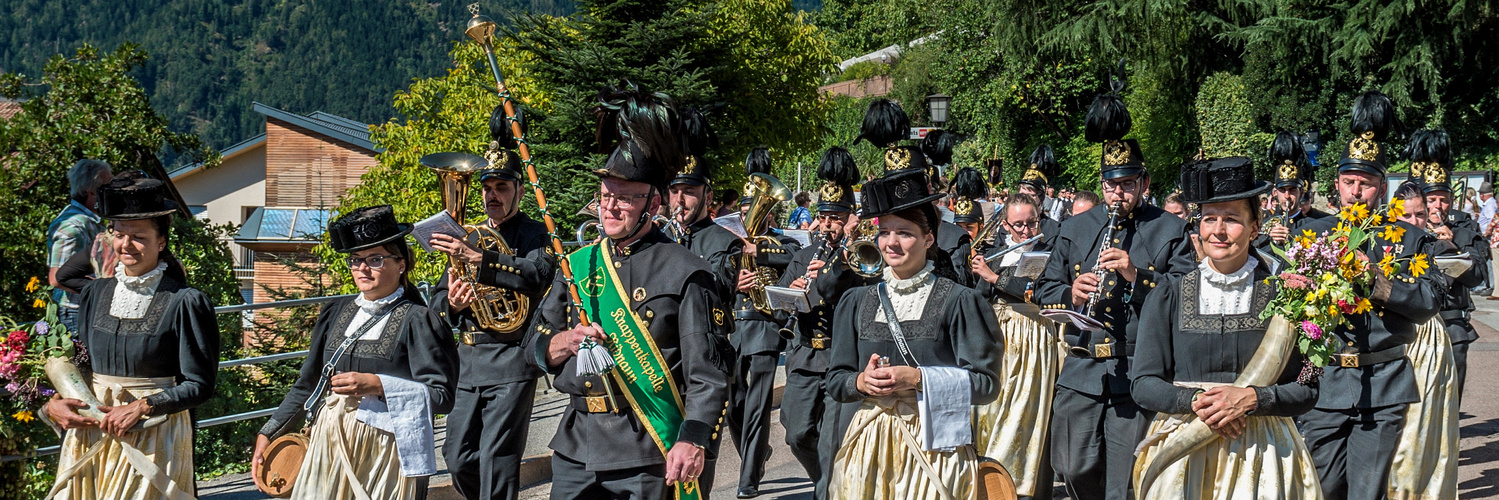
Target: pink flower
[
  {"x": 1296, "y": 281},
  {"x": 1311, "y": 330}
]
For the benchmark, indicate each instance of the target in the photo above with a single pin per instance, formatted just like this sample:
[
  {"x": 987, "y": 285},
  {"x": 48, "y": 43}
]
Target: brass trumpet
[
  {"x": 495, "y": 308},
  {"x": 863, "y": 253}
]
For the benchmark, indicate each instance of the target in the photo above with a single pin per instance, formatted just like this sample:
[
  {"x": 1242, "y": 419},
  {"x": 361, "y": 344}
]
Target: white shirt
[
  {"x": 1013, "y": 258},
  {"x": 133, "y": 293},
  {"x": 368, "y": 309},
  {"x": 1226, "y": 294},
  {"x": 1486, "y": 214},
  {"x": 907, "y": 296}
]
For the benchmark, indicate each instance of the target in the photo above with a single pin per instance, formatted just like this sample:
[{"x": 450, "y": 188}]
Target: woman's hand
[
  {"x": 1224, "y": 408},
  {"x": 980, "y": 267},
  {"x": 64, "y": 412},
  {"x": 261, "y": 442},
  {"x": 356, "y": 384},
  {"x": 878, "y": 381},
  {"x": 120, "y": 419}
]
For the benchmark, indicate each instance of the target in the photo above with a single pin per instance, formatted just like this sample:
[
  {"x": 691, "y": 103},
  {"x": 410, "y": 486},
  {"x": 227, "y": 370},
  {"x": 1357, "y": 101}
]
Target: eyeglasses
[
  {"x": 374, "y": 261},
  {"x": 625, "y": 201},
  {"x": 1030, "y": 224},
  {"x": 1128, "y": 184}
]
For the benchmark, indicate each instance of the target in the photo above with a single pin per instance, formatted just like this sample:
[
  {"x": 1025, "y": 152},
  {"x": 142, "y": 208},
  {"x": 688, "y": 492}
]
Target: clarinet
[
  {"x": 1108, "y": 242},
  {"x": 788, "y": 330}
]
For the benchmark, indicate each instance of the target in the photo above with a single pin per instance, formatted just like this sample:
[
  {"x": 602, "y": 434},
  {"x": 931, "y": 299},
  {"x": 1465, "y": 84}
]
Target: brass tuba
[
  {"x": 864, "y": 255},
  {"x": 495, "y": 308},
  {"x": 766, "y": 192}
]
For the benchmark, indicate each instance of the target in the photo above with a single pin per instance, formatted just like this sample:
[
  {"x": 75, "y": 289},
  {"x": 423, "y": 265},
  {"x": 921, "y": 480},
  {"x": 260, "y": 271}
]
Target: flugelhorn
[{"x": 863, "y": 254}]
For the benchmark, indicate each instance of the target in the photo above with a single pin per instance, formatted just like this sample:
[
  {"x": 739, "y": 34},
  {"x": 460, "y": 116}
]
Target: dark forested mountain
[{"x": 210, "y": 58}]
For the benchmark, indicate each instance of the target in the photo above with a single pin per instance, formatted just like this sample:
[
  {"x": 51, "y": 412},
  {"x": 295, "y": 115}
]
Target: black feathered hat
[
  {"x": 640, "y": 131},
  {"x": 366, "y": 227},
  {"x": 1288, "y": 158},
  {"x": 899, "y": 190},
  {"x": 757, "y": 162},
  {"x": 134, "y": 197},
  {"x": 504, "y": 161},
  {"x": 1043, "y": 165},
  {"x": 937, "y": 146},
  {"x": 1220, "y": 180},
  {"x": 996, "y": 168},
  {"x": 1374, "y": 121},
  {"x": 967, "y": 189},
  {"x": 698, "y": 136},
  {"x": 838, "y": 174},
  {"x": 885, "y": 124},
  {"x": 1430, "y": 153},
  {"x": 1107, "y": 123}
]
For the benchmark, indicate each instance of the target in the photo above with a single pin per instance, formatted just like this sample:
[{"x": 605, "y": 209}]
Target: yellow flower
[
  {"x": 1355, "y": 213},
  {"x": 31, "y": 286},
  {"x": 1376, "y": 220},
  {"x": 1342, "y": 227},
  {"x": 24, "y": 416},
  {"x": 39, "y": 303},
  {"x": 1387, "y": 264},
  {"x": 1362, "y": 306},
  {"x": 1393, "y": 233},
  {"x": 1332, "y": 310},
  {"x": 1397, "y": 209},
  {"x": 1418, "y": 265},
  {"x": 1308, "y": 233}
]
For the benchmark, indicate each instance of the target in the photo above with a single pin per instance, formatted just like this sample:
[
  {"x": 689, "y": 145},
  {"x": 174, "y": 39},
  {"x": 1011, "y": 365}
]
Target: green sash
[{"x": 640, "y": 369}]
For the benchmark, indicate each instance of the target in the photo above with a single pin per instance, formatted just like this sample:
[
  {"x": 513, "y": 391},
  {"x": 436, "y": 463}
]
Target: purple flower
[
  {"x": 12, "y": 387},
  {"x": 42, "y": 328},
  {"x": 47, "y": 393},
  {"x": 1311, "y": 330}
]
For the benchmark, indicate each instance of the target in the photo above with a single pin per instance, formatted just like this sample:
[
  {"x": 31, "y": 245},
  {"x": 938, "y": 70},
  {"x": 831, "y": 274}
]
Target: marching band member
[
  {"x": 966, "y": 202},
  {"x": 645, "y": 427},
  {"x": 1291, "y": 199},
  {"x": 1035, "y": 182},
  {"x": 915, "y": 332},
  {"x": 822, "y": 269},
  {"x": 1095, "y": 423},
  {"x": 390, "y": 365},
  {"x": 1364, "y": 392},
  {"x": 486, "y": 431},
  {"x": 885, "y": 125},
  {"x": 153, "y": 344},
  {"x": 689, "y": 197},
  {"x": 757, "y": 341},
  {"x": 1197, "y": 334}
]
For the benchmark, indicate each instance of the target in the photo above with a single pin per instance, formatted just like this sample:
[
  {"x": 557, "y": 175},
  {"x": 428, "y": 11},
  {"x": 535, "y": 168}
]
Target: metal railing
[{"x": 227, "y": 419}]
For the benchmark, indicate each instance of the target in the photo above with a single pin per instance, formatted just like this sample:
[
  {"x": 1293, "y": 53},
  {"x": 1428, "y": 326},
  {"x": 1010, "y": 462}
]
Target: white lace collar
[
  {"x": 1230, "y": 279},
  {"x": 908, "y": 285},
  {"x": 373, "y": 307},
  {"x": 133, "y": 293}
]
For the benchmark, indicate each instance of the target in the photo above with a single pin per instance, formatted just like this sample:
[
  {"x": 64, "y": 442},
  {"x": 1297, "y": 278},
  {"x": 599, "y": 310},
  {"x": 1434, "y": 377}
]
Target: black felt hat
[
  {"x": 504, "y": 160},
  {"x": 967, "y": 189},
  {"x": 1043, "y": 165},
  {"x": 1288, "y": 158},
  {"x": 905, "y": 158},
  {"x": 699, "y": 137},
  {"x": 896, "y": 191},
  {"x": 134, "y": 198},
  {"x": 366, "y": 227},
  {"x": 838, "y": 174},
  {"x": 1431, "y": 160},
  {"x": 1374, "y": 121},
  {"x": 1220, "y": 180},
  {"x": 640, "y": 132}
]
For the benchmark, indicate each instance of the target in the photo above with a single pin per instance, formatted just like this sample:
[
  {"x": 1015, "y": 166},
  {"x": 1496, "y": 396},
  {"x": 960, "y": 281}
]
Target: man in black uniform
[
  {"x": 1095, "y": 424},
  {"x": 756, "y": 338},
  {"x": 804, "y": 402},
  {"x": 1360, "y": 408},
  {"x": 690, "y": 195},
  {"x": 1291, "y": 200},
  {"x": 496, "y": 388},
  {"x": 666, "y": 316},
  {"x": 1431, "y": 165}
]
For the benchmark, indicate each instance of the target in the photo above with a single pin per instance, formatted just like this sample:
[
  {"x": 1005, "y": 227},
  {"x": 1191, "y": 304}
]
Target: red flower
[{"x": 1344, "y": 306}]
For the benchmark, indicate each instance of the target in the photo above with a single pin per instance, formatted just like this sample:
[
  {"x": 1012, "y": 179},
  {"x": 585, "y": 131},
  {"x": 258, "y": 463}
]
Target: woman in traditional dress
[
  {"x": 153, "y": 345},
  {"x": 1196, "y": 337},
  {"x": 393, "y": 366},
  {"x": 941, "y": 344},
  {"x": 1013, "y": 429},
  {"x": 1425, "y": 463}
]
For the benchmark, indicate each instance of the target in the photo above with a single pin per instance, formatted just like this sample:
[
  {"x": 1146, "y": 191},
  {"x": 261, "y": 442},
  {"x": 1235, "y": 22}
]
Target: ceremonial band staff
[
  {"x": 487, "y": 429},
  {"x": 1360, "y": 408},
  {"x": 1095, "y": 423},
  {"x": 823, "y": 270},
  {"x": 644, "y": 428}
]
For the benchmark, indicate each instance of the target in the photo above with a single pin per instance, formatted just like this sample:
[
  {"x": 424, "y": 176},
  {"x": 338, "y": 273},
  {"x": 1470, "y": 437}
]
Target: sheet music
[
  {"x": 783, "y": 298},
  {"x": 1032, "y": 264},
  {"x": 1077, "y": 319},
  {"x": 732, "y": 223},
  {"x": 441, "y": 223}
]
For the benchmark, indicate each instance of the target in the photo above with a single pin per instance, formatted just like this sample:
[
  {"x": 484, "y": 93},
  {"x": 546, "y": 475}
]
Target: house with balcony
[{"x": 280, "y": 188}]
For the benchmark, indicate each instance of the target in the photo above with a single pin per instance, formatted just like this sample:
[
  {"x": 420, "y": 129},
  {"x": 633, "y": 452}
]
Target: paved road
[{"x": 1478, "y": 470}]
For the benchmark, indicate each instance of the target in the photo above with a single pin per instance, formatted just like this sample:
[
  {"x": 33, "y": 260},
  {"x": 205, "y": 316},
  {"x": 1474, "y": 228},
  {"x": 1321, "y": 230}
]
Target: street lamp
[{"x": 937, "y": 106}]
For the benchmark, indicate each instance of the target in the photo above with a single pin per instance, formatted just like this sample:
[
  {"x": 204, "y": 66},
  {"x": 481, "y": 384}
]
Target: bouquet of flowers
[
  {"x": 42, "y": 351},
  {"x": 1329, "y": 277}
]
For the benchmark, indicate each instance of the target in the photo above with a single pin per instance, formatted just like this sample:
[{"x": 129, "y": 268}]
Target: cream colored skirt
[
  {"x": 1268, "y": 461},
  {"x": 1425, "y": 465},
  {"x": 881, "y": 457},
  {"x": 348, "y": 459},
  {"x": 150, "y": 464},
  {"x": 1012, "y": 429}
]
